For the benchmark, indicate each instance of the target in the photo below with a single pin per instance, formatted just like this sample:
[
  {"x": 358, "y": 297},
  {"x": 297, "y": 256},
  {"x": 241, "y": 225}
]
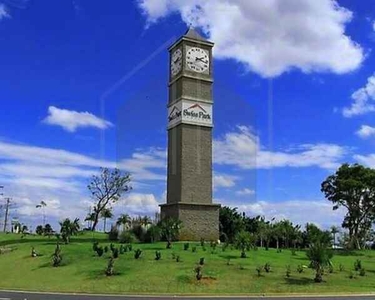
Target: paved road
[{"x": 36, "y": 296}]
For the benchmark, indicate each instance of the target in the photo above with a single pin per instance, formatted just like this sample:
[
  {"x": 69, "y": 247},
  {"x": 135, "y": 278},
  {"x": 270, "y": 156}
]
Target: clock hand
[{"x": 201, "y": 59}]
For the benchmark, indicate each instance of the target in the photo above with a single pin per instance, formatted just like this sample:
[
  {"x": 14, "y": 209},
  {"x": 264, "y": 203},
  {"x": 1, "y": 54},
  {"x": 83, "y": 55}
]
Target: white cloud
[
  {"x": 367, "y": 160},
  {"x": 3, "y": 12},
  {"x": 366, "y": 131},
  {"x": 221, "y": 180},
  {"x": 270, "y": 37},
  {"x": 141, "y": 165},
  {"x": 245, "y": 192},
  {"x": 39, "y": 155},
  {"x": 31, "y": 174},
  {"x": 298, "y": 211},
  {"x": 140, "y": 204},
  {"x": 243, "y": 149},
  {"x": 71, "y": 120},
  {"x": 362, "y": 100}
]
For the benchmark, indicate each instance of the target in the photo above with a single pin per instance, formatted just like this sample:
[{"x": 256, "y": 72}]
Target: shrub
[
  {"x": 259, "y": 270},
  {"x": 112, "y": 247},
  {"x": 186, "y": 246},
  {"x": 178, "y": 258},
  {"x": 300, "y": 269},
  {"x": 330, "y": 268},
  {"x": 341, "y": 267},
  {"x": 351, "y": 275},
  {"x": 122, "y": 249},
  {"x": 95, "y": 246},
  {"x": 153, "y": 234},
  {"x": 319, "y": 257},
  {"x": 129, "y": 247},
  {"x": 100, "y": 251},
  {"x": 357, "y": 265},
  {"x": 157, "y": 255},
  {"x": 56, "y": 257},
  {"x": 202, "y": 242},
  {"x": 362, "y": 272},
  {"x": 288, "y": 271},
  {"x": 127, "y": 237},
  {"x": 173, "y": 255},
  {"x": 113, "y": 234},
  {"x": 204, "y": 248},
  {"x": 115, "y": 253},
  {"x": 244, "y": 241},
  {"x": 194, "y": 249},
  {"x": 294, "y": 252},
  {"x": 137, "y": 253},
  {"x": 106, "y": 249},
  {"x": 267, "y": 267},
  {"x": 198, "y": 272},
  {"x": 201, "y": 261},
  {"x": 110, "y": 268}
]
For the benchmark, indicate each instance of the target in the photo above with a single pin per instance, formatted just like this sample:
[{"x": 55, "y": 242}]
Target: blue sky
[{"x": 84, "y": 84}]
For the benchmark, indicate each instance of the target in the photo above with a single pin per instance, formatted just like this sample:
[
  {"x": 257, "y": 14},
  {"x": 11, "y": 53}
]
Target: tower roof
[{"x": 191, "y": 33}]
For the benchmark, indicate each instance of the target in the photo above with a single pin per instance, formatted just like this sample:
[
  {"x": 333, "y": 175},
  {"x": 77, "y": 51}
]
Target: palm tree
[
  {"x": 319, "y": 257},
  {"x": 69, "y": 228},
  {"x": 170, "y": 229},
  {"x": 244, "y": 241},
  {"x": 106, "y": 214},
  {"x": 123, "y": 220},
  {"x": 42, "y": 205},
  {"x": 145, "y": 221},
  {"x": 334, "y": 231},
  {"x": 90, "y": 218}
]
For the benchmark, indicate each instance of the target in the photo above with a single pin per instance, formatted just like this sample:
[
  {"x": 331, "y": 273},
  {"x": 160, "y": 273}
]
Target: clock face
[
  {"x": 176, "y": 62},
  {"x": 197, "y": 59}
]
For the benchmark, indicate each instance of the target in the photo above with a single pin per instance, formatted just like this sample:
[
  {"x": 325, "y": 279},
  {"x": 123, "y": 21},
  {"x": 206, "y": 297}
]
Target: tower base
[{"x": 198, "y": 220}]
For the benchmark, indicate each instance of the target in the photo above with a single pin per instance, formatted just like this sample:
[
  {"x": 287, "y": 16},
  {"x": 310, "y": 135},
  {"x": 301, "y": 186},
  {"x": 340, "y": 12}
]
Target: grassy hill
[{"x": 224, "y": 271}]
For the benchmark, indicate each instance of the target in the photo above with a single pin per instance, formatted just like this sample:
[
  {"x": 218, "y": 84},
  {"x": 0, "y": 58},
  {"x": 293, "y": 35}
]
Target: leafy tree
[
  {"x": 123, "y": 220},
  {"x": 24, "y": 229},
  {"x": 170, "y": 229},
  {"x": 39, "y": 230},
  {"x": 319, "y": 256},
  {"x": 107, "y": 189},
  {"x": 48, "y": 231},
  {"x": 353, "y": 187},
  {"x": 106, "y": 213},
  {"x": 153, "y": 234},
  {"x": 231, "y": 222},
  {"x": 68, "y": 229},
  {"x": 313, "y": 234},
  {"x": 244, "y": 241}
]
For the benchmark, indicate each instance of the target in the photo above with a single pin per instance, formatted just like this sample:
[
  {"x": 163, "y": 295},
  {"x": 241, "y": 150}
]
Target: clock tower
[{"x": 190, "y": 123}]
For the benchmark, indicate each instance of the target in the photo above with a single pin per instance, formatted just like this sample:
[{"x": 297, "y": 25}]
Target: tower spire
[{"x": 193, "y": 34}]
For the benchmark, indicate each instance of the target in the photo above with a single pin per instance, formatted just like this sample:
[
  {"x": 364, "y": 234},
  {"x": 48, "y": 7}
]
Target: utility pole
[{"x": 6, "y": 213}]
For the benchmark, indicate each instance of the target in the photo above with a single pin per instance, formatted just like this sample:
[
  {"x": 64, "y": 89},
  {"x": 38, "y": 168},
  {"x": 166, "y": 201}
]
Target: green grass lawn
[{"x": 82, "y": 271}]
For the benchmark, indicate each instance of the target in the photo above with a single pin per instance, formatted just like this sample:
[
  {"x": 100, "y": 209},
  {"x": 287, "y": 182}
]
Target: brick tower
[{"x": 190, "y": 123}]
